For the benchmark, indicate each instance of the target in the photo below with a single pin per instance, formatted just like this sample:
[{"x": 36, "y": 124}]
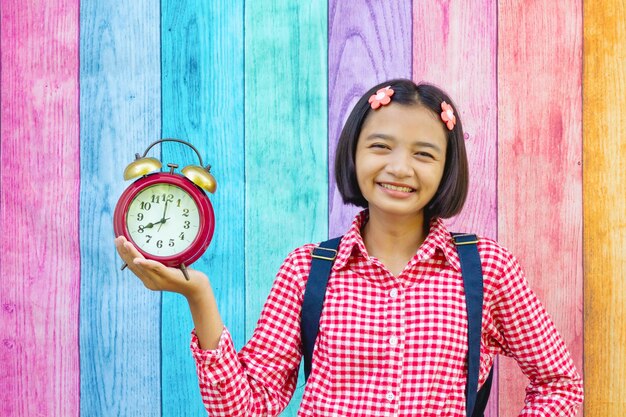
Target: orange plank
[
  {"x": 540, "y": 164},
  {"x": 604, "y": 178}
]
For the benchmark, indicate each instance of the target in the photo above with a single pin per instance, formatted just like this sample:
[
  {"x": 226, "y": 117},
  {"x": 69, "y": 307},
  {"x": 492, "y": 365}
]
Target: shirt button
[
  {"x": 390, "y": 396},
  {"x": 393, "y": 341},
  {"x": 393, "y": 293}
]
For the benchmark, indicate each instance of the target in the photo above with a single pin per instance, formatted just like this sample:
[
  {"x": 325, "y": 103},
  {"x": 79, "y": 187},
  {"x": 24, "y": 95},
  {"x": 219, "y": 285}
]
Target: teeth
[{"x": 394, "y": 188}]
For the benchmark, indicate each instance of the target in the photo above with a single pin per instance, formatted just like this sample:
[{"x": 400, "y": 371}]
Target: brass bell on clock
[{"x": 199, "y": 175}]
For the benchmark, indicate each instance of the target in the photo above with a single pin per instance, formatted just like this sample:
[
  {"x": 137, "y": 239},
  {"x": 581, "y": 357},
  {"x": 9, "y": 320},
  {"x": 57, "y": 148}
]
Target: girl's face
[{"x": 400, "y": 157}]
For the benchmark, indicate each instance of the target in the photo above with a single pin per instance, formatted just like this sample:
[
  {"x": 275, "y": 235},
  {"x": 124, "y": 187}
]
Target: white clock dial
[{"x": 163, "y": 220}]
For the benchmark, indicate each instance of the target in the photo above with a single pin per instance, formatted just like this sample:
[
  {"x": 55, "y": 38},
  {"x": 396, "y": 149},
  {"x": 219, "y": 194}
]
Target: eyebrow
[{"x": 419, "y": 143}]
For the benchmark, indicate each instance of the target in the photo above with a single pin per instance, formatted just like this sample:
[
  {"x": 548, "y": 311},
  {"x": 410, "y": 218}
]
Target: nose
[{"x": 399, "y": 164}]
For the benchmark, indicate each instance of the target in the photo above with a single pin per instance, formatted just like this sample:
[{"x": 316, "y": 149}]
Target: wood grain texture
[
  {"x": 455, "y": 47},
  {"x": 120, "y": 116},
  {"x": 604, "y": 179},
  {"x": 540, "y": 173},
  {"x": 368, "y": 43},
  {"x": 286, "y": 140},
  {"x": 39, "y": 197},
  {"x": 203, "y": 103}
]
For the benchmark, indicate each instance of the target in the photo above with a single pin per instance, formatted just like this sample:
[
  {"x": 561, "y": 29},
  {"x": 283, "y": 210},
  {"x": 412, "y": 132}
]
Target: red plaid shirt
[{"x": 390, "y": 346}]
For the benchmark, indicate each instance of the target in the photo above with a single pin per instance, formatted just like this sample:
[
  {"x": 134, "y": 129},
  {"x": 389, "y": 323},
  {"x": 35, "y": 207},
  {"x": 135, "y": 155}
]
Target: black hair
[{"x": 452, "y": 192}]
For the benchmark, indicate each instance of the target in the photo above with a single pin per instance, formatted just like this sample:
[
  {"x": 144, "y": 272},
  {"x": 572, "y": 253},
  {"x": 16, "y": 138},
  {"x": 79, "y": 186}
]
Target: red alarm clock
[{"x": 167, "y": 216}]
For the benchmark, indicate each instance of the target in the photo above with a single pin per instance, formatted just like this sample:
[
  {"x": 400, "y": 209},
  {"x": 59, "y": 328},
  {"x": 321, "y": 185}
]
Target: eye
[
  {"x": 379, "y": 145},
  {"x": 423, "y": 154}
]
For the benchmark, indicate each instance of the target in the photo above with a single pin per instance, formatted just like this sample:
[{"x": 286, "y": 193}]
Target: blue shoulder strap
[
  {"x": 323, "y": 257},
  {"x": 473, "y": 285}
]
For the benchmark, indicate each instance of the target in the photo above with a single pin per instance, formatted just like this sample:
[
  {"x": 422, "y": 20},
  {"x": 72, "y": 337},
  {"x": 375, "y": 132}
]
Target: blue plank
[
  {"x": 286, "y": 140},
  {"x": 202, "y": 102},
  {"x": 119, "y": 115}
]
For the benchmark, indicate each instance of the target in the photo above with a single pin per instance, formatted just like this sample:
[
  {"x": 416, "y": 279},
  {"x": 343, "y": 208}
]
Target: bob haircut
[{"x": 452, "y": 192}]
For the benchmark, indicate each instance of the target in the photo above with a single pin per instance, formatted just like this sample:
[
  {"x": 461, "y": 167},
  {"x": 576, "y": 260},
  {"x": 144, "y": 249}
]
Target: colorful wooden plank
[
  {"x": 39, "y": 197},
  {"x": 285, "y": 128},
  {"x": 368, "y": 43},
  {"x": 604, "y": 181},
  {"x": 120, "y": 115},
  {"x": 455, "y": 47},
  {"x": 540, "y": 172},
  {"x": 202, "y": 102}
]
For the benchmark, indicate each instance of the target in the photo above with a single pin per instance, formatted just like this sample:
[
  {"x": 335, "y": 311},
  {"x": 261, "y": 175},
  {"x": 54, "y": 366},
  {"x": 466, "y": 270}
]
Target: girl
[{"x": 393, "y": 332}]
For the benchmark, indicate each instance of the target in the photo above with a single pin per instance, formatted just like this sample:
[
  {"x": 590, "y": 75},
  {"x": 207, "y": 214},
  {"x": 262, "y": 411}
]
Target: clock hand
[
  {"x": 151, "y": 225},
  {"x": 163, "y": 219}
]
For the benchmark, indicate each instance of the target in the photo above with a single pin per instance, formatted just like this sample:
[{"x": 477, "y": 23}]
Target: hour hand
[{"x": 151, "y": 225}]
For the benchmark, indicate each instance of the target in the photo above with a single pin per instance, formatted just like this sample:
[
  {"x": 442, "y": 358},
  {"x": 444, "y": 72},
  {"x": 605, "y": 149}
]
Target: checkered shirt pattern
[{"x": 390, "y": 346}]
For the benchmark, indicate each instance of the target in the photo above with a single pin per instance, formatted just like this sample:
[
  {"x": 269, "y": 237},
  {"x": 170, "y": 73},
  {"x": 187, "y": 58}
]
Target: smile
[{"x": 396, "y": 188}]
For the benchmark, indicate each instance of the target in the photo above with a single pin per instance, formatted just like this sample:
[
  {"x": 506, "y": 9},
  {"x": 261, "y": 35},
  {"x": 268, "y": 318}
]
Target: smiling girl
[{"x": 393, "y": 330}]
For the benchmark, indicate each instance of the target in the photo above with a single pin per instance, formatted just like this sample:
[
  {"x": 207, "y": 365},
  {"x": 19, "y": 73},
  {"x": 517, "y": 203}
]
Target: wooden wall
[
  {"x": 604, "y": 208},
  {"x": 262, "y": 88}
]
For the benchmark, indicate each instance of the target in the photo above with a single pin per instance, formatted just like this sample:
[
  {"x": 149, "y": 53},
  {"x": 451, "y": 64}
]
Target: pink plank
[
  {"x": 455, "y": 47},
  {"x": 368, "y": 42},
  {"x": 40, "y": 264},
  {"x": 540, "y": 172}
]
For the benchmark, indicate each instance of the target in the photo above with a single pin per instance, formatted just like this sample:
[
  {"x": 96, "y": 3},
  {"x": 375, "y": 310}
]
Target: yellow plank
[{"x": 604, "y": 179}]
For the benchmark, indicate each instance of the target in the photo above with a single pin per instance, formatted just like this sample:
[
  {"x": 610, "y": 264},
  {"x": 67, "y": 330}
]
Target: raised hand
[
  {"x": 158, "y": 277},
  {"x": 197, "y": 290}
]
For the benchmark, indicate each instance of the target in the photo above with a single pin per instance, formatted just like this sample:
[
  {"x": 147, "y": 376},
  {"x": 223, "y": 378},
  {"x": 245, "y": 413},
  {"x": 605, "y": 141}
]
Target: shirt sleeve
[
  {"x": 261, "y": 378},
  {"x": 530, "y": 337}
]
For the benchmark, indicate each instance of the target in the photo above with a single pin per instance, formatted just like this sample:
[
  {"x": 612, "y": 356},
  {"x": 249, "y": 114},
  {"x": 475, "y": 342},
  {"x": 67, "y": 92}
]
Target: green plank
[
  {"x": 286, "y": 140},
  {"x": 119, "y": 115},
  {"x": 202, "y": 102}
]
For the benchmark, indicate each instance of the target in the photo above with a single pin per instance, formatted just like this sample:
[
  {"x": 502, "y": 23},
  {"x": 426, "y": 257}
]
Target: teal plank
[
  {"x": 202, "y": 102},
  {"x": 119, "y": 115},
  {"x": 286, "y": 140}
]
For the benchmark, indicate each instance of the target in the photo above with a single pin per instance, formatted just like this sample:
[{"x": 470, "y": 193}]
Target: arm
[
  {"x": 260, "y": 380},
  {"x": 198, "y": 292},
  {"x": 530, "y": 337}
]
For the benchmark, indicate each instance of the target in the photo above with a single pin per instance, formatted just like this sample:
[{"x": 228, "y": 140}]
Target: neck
[{"x": 387, "y": 236}]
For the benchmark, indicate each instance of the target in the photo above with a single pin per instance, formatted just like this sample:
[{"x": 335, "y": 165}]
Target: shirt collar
[
  {"x": 352, "y": 241},
  {"x": 438, "y": 238}
]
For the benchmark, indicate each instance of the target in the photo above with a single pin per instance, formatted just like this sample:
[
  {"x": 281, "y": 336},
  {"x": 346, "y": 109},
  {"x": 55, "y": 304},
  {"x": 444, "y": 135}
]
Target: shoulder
[
  {"x": 300, "y": 257},
  {"x": 493, "y": 254},
  {"x": 295, "y": 268},
  {"x": 501, "y": 269}
]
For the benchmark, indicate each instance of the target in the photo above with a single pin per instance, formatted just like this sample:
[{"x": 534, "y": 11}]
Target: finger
[
  {"x": 158, "y": 270},
  {"x": 128, "y": 253}
]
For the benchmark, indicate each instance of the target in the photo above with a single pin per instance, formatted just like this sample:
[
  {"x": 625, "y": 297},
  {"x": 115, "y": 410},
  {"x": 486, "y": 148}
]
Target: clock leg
[{"x": 184, "y": 269}]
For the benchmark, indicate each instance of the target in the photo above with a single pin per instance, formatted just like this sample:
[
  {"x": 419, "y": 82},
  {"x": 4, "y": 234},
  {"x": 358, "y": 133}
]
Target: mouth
[{"x": 401, "y": 188}]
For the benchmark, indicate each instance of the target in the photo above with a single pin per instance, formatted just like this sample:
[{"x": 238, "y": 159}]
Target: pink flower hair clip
[
  {"x": 447, "y": 115},
  {"x": 381, "y": 98}
]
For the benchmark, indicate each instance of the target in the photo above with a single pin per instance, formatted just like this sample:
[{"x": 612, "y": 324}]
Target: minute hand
[{"x": 163, "y": 219}]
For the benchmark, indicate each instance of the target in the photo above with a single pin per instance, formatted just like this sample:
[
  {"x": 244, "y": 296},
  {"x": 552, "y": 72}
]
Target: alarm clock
[{"x": 167, "y": 215}]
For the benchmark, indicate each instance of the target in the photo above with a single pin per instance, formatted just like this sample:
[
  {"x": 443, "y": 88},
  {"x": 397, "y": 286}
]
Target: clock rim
[{"x": 205, "y": 210}]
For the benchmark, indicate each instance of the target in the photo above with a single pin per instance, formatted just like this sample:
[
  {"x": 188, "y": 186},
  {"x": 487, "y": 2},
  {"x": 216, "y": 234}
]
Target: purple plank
[{"x": 368, "y": 42}]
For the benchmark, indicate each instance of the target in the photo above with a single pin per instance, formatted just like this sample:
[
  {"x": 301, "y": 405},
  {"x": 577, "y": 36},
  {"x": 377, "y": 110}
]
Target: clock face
[{"x": 163, "y": 220}]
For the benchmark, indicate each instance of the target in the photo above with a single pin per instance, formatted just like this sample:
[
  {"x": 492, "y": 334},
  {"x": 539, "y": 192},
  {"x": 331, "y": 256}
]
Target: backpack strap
[
  {"x": 473, "y": 284},
  {"x": 323, "y": 257}
]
